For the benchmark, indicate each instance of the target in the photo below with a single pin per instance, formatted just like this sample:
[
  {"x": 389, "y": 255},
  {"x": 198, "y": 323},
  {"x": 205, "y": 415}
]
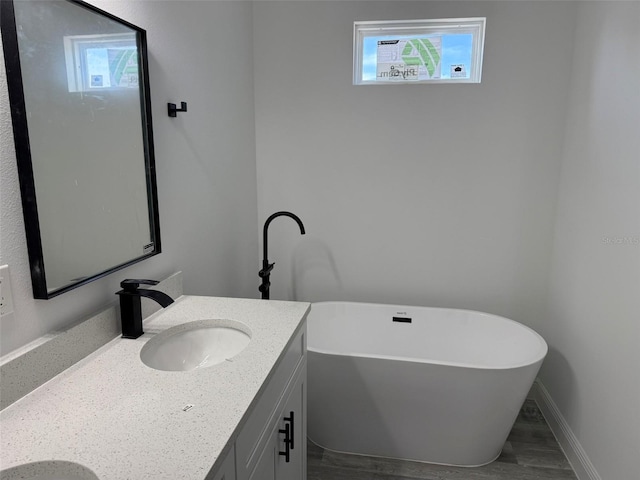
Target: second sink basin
[
  {"x": 48, "y": 470},
  {"x": 198, "y": 344}
]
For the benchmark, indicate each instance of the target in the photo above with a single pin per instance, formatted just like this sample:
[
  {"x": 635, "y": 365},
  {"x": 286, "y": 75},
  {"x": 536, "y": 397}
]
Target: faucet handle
[
  {"x": 131, "y": 285},
  {"x": 264, "y": 286},
  {"x": 266, "y": 271}
]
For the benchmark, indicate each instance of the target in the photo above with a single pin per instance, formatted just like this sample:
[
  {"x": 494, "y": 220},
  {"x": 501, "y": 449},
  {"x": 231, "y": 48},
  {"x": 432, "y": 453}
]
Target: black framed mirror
[{"x": 79, "y": 93}]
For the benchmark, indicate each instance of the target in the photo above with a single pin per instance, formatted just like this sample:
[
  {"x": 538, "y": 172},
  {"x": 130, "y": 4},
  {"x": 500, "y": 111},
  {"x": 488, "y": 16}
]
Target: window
[
  {"x": 101, "y": 62},
  {"x": 418, "y": 51}
]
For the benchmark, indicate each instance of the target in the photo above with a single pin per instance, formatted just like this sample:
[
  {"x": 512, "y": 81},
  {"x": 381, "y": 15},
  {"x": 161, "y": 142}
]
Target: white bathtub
[{"x": 445, "y": 388}]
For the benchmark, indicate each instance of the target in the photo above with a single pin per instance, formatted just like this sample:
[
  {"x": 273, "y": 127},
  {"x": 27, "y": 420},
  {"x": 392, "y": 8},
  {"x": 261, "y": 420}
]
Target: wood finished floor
[{"x": 531, "y": 452}]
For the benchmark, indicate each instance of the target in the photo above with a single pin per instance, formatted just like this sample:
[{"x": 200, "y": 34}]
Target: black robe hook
[{"x": 173, "y": 110}]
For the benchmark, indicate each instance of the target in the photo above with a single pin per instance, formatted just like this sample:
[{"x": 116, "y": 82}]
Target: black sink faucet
[
  {"x": 266, "y": 266},
  {"x": 130, "y": 308}
]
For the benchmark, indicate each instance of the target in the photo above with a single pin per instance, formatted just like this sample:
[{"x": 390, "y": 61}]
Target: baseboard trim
[{"x": 569, "y": 443}]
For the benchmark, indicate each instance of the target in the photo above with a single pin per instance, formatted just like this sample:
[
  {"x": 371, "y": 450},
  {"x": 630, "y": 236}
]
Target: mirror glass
[{"x": 79, "y": 94}]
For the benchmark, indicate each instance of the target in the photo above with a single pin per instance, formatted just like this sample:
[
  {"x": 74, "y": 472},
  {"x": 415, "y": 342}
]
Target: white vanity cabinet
[
  {"x": 235, "y": 416},
  {"x": 272, "y": 443}
]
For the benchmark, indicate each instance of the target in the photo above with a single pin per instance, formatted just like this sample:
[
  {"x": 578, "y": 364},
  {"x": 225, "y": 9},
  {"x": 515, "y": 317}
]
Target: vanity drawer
[{"x": 254, "y": 433}]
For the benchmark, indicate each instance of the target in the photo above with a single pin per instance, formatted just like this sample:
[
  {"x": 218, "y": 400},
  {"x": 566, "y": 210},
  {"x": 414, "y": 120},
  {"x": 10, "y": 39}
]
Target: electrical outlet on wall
[{"x": 6, "y": 299}]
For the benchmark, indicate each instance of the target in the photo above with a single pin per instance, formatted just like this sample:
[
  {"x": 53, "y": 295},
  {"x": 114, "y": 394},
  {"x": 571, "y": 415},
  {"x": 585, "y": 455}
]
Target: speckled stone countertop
[{"x": 123, "y": 420}]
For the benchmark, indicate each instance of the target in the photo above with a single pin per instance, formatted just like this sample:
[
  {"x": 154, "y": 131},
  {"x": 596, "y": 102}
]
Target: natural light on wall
[{"x": 418, "y": 51}]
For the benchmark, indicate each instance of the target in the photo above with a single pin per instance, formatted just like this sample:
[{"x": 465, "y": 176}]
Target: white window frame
[
  {"x": 75, "y": 47},
  {"x": 474, "y": 26}
]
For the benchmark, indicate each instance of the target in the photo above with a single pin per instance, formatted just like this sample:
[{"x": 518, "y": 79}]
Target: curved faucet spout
[
  {"x": 266, "y": 229},
  {"x": 266, "y": 267},
  {"x": 162, "y": 298}
]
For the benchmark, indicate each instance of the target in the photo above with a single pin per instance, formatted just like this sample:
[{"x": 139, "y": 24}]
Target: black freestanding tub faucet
[{"x": 265, "y": 273}]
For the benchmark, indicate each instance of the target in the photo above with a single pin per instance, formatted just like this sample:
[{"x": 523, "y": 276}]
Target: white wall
[
  {"x": 452, "y": 195},
  {"x": 200, "y": 52},
  {"x": 593, "y": 328},
  {"x": 439, "y": 195}
]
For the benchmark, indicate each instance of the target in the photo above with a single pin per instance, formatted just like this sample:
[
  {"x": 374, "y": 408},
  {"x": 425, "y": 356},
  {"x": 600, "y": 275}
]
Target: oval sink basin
[
  {"x": 48, "y": 470},
  {"x": 198, "y": 344}
]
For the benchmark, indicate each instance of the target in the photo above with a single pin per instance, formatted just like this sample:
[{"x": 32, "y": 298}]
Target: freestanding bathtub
[{"x": 428, "y": 384}]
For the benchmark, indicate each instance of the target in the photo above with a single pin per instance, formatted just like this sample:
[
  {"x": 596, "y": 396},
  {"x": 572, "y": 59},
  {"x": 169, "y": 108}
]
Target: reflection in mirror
[{"x": 79, "y": 94}]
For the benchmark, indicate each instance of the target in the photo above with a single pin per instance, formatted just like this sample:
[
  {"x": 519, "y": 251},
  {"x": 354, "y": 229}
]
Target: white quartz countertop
[{"x": 123, "y": 420}]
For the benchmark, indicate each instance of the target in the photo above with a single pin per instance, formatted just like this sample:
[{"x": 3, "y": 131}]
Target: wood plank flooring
[{"x": 531, "y": 452}]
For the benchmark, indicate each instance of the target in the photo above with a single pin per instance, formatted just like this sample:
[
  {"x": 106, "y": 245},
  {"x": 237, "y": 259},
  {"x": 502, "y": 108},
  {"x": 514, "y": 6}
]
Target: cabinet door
[
  {"x": 261, "y": 421},
  {"x": 293, "y": 420},
  {"x": 227, "y": 470},
  {"x": 285, "y": 455},
  {"x": 266, "y": 467}
]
